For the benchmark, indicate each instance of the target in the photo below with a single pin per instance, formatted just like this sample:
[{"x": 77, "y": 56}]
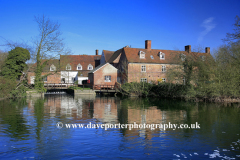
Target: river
[{"x": 68, "y": 127}]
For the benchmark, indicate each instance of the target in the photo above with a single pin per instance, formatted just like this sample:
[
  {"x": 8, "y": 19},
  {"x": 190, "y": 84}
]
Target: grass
[{"x": 79, "y": 88}]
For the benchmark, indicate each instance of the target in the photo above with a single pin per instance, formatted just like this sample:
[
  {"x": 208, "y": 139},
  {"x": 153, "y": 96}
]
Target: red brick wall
[
  {"x": 99, "y": 75},
  {"x": 153, "y": 72},
  {"x": 51, "y": 78}
]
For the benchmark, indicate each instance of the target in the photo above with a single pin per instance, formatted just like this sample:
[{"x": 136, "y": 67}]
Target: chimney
[
  {"x": 188, "y": 48},
  {"x": 207, "y": 50},
  {"x": 148, "y": 44},
  {"x": 96, "y": 51}
]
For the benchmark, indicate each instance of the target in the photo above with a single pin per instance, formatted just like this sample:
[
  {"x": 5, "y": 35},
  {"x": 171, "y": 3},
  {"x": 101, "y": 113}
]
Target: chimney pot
[
  {"x": 96, "y": 51},
  {"x": 207, "y": 50},
  {"x": 188, "y": 48},
  {"x": 148, "y": 44}
]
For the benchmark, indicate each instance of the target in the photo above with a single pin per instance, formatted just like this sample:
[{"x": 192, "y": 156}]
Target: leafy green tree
[{"x": 15, "y": 63}]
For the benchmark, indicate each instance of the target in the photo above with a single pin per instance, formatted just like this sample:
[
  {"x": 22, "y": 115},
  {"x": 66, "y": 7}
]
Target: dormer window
[
  {"x": 52, "y": 68},
  {"x": 161, "y": 55},
  {"x": 203, "y": 58},
  {"x": 68, "y": 67},
  {"x": 79, "y": 67},
  {"x": 151, "y": 57},
  {"x": 182, "y": 56},
  {"x": 142, "y": 54},
  {"x": 90, "y": 67}
]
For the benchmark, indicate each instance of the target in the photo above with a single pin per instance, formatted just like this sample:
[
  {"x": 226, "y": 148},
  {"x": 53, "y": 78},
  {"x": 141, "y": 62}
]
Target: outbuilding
[{"x": 103, "y": 75}]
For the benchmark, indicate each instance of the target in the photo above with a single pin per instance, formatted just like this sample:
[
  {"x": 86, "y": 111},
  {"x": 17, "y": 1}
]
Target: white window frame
[
  {"x": 52, "y": 68},
  {"x": 107, "y": 78},
  {"x": 32, "y": 79},
  {"x": 184, "y": 81},
  {"x": 79, "y": 65},
  {"x": 68, "y": 67},
  {"x": 142, "y": 55},
  {"x": 163, "y": 79},
  {"x": 164, "y": 68},
  {"x": 162, "y": 55},
  {"x": 89, "y": 67},
  {"x": 182, "y": 56},
  {"x": 203, "y": 58},
  {"x": 143, "y": 68},
  {"x": 143, "y": 80},
  {"x": 45, "y": 79}
]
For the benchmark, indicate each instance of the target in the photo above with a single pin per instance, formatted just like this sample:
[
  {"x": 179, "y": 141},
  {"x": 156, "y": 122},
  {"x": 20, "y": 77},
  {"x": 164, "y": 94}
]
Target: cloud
[
  {"x": 73, "y": 34},
  {"x": 208, "y": 25}
]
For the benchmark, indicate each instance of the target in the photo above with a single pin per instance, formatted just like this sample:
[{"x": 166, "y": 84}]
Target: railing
[{"x": 58, "y": 85}]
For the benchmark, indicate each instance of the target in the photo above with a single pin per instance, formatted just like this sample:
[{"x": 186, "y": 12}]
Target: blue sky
[{"x": 113, "y": 24}]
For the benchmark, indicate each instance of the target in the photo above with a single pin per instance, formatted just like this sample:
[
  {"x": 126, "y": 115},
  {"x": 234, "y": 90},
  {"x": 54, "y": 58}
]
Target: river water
[{"x": 43, "y": 128}]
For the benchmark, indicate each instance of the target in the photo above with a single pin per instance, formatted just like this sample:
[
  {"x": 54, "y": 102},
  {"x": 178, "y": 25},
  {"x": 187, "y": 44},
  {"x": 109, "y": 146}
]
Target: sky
[{"x": 87, "y": 25}]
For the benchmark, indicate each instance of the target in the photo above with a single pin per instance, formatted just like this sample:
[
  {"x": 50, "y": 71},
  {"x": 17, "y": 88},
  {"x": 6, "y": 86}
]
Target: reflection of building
[
  {"x": 150, "y": 115},
  {"x": 105, "y": 109}
]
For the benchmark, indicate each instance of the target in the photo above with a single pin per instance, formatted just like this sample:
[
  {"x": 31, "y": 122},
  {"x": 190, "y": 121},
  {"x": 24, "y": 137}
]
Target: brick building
[
  {"x": 106, "y": 55},
  {"x": 148, "y": 65},
  {"x": 51, "y": 72},
  {"x": 76, "y": 67},
  {"x": 69, "y": 69},
  {"x": 104, "y": 74}
]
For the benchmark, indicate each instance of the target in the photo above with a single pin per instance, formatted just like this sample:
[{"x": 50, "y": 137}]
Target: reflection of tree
[
  {"x": 10, "y": 115},
  {"x": 39, "y": 115},
  {"x": 123, "y": 116}
]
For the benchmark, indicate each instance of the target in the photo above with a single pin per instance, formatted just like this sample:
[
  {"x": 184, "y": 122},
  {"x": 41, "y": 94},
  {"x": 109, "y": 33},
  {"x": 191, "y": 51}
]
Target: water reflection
[
  {"x": 12, "y": 116},
  {"x": 31, "y": 125}
]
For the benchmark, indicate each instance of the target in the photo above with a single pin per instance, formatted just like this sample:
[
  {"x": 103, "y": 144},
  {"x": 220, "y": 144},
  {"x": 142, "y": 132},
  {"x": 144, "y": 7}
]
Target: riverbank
[{"x": 175, "y": 91}]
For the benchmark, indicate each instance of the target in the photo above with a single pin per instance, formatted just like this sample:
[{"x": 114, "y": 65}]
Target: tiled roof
[
  {"x": 100, "y": 66},
  {"x": 108, "y": 54},
  {"x": 116, "y": 56},
  {"x": 152, "y": 56},
  {"x": 74, "y": 60},
  {"x": 55, "y": 62},
  {"x": 83, "y": 73},
  {"x": 97, "y": 67}
]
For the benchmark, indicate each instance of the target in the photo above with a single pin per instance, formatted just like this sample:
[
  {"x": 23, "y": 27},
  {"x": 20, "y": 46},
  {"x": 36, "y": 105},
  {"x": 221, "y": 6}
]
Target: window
[
  {"x": 79, "y": 67},
  {"x": 143, "y": 80},
  {"x": 68, "y": 67},
  {"x": 90, "y": 67},
  {"x": 203, "y": 58},
  {"x": 151, "y": 57},
  {"x": 182, "y": 56},
  {"x": 107, "y": 78},
  {"x": 163, "y": 79},
  {"x": 52, "y": 68},
  {"x": 45, "y": 79},
  {"x": 142, "y": 54},
  {"x": 164, "y": 69},
  {"x": 161, "y": 55},
  {"x": 32, "y": 79},
  {"x": 184, "y": 81},
  {"x": 63, "y": 80},
  {"x": 143, "y": 68}
]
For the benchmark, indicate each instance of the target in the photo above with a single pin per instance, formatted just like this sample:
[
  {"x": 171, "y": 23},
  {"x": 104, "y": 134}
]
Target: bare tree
[{"x": 48, "y": 45}]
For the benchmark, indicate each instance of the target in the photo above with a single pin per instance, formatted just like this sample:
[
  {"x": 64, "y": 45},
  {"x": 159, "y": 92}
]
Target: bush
[{"x": 6, "y": 86}]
